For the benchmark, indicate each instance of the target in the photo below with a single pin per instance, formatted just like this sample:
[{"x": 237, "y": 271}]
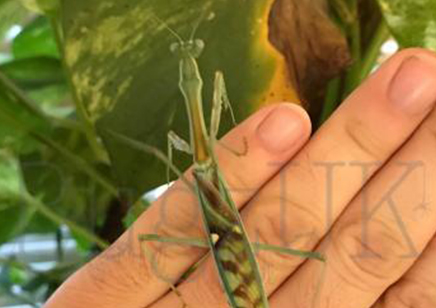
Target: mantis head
[{"x": 192, "y": 48}]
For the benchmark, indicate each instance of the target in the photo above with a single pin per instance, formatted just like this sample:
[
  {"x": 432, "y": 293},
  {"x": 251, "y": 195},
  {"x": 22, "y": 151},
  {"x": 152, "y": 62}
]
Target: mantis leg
[
  {"x": 202, "y": 243},
  {"x": 140, "y": 146},
  {"x": 222, "y": 91},
  {"x": 289, "y": 251},
  {"x": 172, "y": 286},
  {"x": 192, "y": 242},
  {"x": 176, "y": 142},
  {"x": 220, "y": 101},
  {"x": 235, "y": 152}
]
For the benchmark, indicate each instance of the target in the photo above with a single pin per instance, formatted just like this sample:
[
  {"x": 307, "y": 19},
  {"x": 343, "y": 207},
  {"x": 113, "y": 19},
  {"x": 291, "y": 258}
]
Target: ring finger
[{"x": 417, "y": 288}]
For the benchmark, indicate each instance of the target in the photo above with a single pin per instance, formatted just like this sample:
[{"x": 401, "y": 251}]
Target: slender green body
[
  {"x": 233, "y": 254},
  {"x": 232, "y": 251}
]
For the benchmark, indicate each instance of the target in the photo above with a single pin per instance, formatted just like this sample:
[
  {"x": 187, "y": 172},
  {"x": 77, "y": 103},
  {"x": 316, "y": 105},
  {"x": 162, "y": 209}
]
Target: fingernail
[
  {"x": 281, "y": 129},
  {"x": 413, "y": 87}
]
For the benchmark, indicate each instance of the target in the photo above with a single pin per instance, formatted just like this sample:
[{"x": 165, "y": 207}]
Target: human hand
[{"x": 359, "y": 191}]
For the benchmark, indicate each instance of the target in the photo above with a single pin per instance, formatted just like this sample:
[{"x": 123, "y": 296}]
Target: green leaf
[
  {"x": 54, "y": 100},
  {"x": 39, "y": 224},
  {"x": 34, "y": 73},
  {"x": 14, "y": 214},
  {"x": 370, "y": 19},
  {"x": 61, "y": 187},
  {"x": 126, "y": 78},
  {"x": 18, "y": 275},
  {"x": 37, "y": 39},
  {"x": 41, "y": 6},
  {"x": 5, "y": 280},
  {"x": 11, "y": 13},
  {"x": 49, "y": 281},
  {"x": 9, "y": 175},
  {"x": 134, "y": 212},
  {"x": 43, "y": 79},
  {"x": 20, "y": 119},
  {"x": 412, "y": 22}
]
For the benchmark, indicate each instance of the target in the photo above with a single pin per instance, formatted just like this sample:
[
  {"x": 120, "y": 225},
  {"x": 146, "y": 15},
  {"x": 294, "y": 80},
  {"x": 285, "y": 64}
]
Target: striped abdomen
[{"x": 232, "y": 251}]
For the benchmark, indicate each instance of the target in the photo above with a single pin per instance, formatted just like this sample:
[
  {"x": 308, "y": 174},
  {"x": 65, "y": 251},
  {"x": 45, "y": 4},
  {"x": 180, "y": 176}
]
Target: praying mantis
[{"x": 226, "y": 237}]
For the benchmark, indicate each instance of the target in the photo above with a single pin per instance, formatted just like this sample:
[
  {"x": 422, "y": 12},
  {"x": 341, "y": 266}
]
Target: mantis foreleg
[
  {"x": 140, "y": 146},
  {"x": 202, "y": 243},
  {"x": 171, "y": 285},
  {"x": 221, "y": 101},
  {"x": 176, "y": 142}
]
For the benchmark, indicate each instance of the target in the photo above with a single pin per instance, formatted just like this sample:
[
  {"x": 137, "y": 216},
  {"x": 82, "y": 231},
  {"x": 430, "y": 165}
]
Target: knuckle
[
  {"x": 161, "y": 253},
  {"x": 120, "y": 267},
  {"x": 207, "y": 289},
  {"x": 413, "y": 51},
  {"x": 365, "y": 140},
  {"x": 177, "y": 213},
  {"x": 410, "y": 294},
  {"x": 429, "y": 129},
  {"x": 238, "y": 182},
  {"x": 285, "y": 222},
  {"x": 368, "y": 257}
]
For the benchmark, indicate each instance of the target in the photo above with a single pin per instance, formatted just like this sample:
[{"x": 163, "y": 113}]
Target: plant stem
[
  {"x": 18, "y": 265},
  {"x": 331, "y": 100},
  {"x": 22, "y": 299},
  {"x": 9, "y": 87},
  {"x": 59, "y": 247},
  {"x": 353, "y": 74},
  {"x": 372, "y": 53},
  {"x": 53, "y": 216}
]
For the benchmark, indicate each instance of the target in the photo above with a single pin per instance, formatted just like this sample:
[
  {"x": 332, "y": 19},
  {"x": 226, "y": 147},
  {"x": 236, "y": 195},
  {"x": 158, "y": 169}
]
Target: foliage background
[{"x": 71, "y": 71}]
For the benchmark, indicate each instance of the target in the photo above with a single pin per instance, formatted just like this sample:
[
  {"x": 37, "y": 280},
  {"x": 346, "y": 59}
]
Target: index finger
[{"x": 122, "y": 277}]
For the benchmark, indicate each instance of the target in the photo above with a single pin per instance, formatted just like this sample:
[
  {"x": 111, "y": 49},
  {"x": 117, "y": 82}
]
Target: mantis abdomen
[{"x": 230, "y": 246}]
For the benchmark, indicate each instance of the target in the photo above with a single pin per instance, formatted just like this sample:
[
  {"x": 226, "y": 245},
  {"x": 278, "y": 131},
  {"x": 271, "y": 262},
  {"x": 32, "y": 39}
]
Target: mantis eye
[
  {"x": 192, "y": 48},
  {"x": 197, "y": 48},
  {"x": 175, "y": 48}
]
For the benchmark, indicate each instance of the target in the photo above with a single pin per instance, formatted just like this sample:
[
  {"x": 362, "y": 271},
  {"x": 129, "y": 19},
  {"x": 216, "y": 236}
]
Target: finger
[
  {"x": 381, "y": 234},
  {"x": 295, "y": 207},
  {"x": 417, "y": 288},
  {"x": 121, "y": 277}
]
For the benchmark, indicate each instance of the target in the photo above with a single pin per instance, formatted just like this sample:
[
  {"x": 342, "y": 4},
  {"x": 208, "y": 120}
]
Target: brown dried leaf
[{"x": 315, "y": 49}]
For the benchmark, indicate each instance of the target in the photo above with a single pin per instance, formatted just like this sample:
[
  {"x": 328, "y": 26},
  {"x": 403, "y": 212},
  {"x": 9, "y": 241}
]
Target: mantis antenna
[
  {"x": 194, "y": 29},
  {"x": 168, "y": 28},
  {"x": 198, "y": 23}
]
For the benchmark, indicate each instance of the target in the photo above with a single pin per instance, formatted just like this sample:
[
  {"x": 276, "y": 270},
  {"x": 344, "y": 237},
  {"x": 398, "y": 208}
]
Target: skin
[{"x": 361, "y": 191}]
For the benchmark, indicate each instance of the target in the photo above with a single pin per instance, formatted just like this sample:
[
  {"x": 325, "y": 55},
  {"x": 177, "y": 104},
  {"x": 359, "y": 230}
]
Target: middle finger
[{"x": 382, "y": 232}]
